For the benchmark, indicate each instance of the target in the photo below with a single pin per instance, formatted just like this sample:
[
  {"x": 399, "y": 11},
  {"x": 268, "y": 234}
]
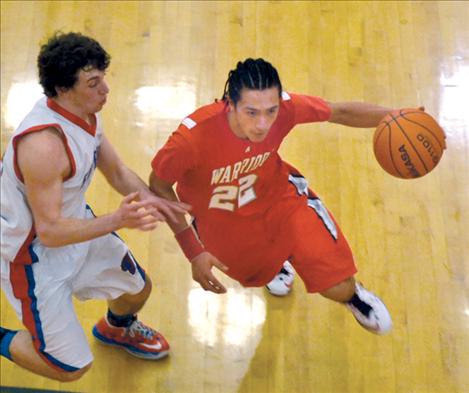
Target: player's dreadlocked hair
[
  {"x": 255, "y": 74},
  {"x": 63, "y": 56}
]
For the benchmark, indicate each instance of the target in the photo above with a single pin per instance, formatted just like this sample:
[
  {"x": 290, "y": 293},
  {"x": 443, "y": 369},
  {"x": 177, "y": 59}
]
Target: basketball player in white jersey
[{"x": 53, "y": 246}]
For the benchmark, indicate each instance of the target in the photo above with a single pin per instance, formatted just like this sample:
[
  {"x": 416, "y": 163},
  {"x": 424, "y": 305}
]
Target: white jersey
[
  {"x": 81, "y": 142},
  {"x": 40, "y": 281}
]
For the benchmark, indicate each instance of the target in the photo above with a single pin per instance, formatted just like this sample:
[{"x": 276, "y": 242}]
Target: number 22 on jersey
[{"x": 230, "y": 197}]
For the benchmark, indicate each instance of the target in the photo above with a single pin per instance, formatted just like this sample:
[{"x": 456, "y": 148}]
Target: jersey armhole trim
[{"x": 38, "y": 128}]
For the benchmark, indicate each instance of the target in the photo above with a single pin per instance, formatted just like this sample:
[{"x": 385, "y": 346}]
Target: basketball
[{"x": 408, "y": 143}]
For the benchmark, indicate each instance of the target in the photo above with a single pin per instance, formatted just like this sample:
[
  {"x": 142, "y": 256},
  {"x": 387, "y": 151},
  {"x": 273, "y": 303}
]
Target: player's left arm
[
  {"x": 118, "y": 175},
  {"x": 126, "y": 181},
  {"x": 357, "y": 114}
]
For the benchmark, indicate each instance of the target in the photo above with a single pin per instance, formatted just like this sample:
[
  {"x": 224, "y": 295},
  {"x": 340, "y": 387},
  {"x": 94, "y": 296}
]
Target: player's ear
[
  {"x": 61, "y": 90},
  {"x": 231, "y": 104}
]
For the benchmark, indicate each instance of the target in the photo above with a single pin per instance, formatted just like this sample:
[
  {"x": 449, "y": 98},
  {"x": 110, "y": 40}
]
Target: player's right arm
[
  {"x": 44, "y": 165},
  {"x": 357, "y": 114},
  {"x": 202, "y": 262}
]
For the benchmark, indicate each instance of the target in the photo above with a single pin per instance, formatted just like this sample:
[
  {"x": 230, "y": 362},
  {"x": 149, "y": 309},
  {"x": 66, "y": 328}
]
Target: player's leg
[
  {"x": 112, "y": 273},
  {"x": 367, "y": 308},
  {"x": 323, "y": 259},
  {"x": 23, "y": 353},
  {"x": 341, "y": 292},
  {"x": 54, "y": 345},
  {"x": 121, "y": 327},
  {"x": 131, "y": 303}
]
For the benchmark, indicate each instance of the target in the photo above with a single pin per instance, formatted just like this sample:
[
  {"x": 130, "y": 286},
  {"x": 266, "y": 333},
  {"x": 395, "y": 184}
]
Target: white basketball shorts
[{"x": 41, "y": 293}]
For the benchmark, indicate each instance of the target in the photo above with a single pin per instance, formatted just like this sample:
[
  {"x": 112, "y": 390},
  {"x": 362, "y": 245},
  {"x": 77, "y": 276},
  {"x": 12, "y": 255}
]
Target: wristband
[{"x": 189, "y": 243}]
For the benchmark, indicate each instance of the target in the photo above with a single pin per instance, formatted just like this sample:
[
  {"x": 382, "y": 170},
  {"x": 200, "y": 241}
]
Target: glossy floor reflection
[
  {"x": 409, "y": 237},
  {"x": 230, "y": 320}
]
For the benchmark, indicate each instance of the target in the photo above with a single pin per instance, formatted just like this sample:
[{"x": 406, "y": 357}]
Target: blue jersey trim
[{"x": 38, "y": 324}]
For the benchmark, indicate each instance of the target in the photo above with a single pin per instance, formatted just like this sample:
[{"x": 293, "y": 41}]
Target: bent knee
[{"x": 70, "y": 376}]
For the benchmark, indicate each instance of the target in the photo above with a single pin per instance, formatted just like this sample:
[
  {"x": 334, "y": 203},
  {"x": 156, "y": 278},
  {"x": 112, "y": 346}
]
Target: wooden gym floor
[{"x": 410, "y": 237}]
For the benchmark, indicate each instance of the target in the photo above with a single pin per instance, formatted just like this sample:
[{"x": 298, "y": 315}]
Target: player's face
[
  {"x": 89, "y": 92},
  {"x": 254, "y": 113}
]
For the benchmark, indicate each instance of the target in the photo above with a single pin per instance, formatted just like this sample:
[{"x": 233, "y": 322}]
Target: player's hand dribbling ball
[{"x": 408, "y": 143}]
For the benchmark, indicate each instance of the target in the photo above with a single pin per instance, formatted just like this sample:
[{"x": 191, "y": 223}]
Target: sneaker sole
[
  {"x": 376, "y": 330},
  {"x": 278, "y": 294},
  {"x": 128, "y": 348}
]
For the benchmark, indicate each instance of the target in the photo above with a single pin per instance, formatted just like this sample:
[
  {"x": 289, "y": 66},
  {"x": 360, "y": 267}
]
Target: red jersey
[
  {"x": 234, "y": 185},
  {"x": 220, "y": 174}
]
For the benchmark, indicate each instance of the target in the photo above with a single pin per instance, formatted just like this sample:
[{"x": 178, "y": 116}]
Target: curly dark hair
[
  {"x": 64, "y": 55},
  {"x": 255, "y": 74}
]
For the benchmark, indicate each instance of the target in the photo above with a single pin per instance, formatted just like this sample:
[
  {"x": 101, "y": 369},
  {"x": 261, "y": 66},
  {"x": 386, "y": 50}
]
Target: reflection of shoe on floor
[
  {"x": 137, "y": 339},
  {"x": 369, "y": 311},
  {"x": 283, "y": 281}
]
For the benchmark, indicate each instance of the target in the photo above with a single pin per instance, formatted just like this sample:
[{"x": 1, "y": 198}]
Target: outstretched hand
[
  {"x": 135, "y": 214},
  {"x": 202, "y": 272},
  {"x": 165, "y": 209}
]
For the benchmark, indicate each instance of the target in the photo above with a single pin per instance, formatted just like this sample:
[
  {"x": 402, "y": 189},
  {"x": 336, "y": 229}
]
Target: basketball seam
[
  {"x": 380, "y": 132},
  {"x": 400, "y": 114},
  {"x": 413, "y": 147},
  {"x": 392, "y": 155},
  {"x": 425, "y": 128}
]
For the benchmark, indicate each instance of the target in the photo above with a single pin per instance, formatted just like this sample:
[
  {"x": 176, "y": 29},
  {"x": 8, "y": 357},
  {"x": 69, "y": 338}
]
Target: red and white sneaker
[
  {"x": 283, "y": 281},
  {"x": 137, "y": 339}
]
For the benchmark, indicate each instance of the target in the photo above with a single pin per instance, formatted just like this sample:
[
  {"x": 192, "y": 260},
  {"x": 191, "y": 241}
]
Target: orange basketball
[{"x": 408, "y": 143}]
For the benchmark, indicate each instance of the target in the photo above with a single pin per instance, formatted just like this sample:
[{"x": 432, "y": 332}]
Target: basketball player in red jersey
[{"x": 252, "y": 211}]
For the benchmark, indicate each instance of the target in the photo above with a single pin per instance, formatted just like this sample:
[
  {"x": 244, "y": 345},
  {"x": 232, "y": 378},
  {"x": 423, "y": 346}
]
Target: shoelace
[{"x": 138, "y": 328}]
